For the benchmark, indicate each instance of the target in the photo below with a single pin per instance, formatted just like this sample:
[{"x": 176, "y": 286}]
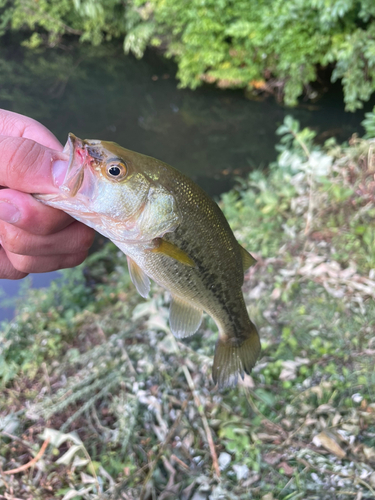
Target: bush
[{"x": 273, "y": 47}]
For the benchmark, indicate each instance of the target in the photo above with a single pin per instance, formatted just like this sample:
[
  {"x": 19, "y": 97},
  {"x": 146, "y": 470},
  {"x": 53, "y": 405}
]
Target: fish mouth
[
  {"x": 75, "y": 172},
  {"x": 74, "y": 179}
]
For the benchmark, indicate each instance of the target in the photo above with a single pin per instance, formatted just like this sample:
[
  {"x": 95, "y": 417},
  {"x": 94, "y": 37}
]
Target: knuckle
[
  {"x": 10, "y": 124},
  {"x": 12, "y": 241},
  {"x": 23, "y": 263},
  {"x": 47, "y": 220},
  {"x": 7, "y": 270},
  {"x": 30, "y": 153},
  {"x": 79, "y": 237},
  {"x": 73, "y": 260},
  {"x": 87, "y": 238},
  {"x": 46, "y": 227},
  {"x": 16, "y": 275}
]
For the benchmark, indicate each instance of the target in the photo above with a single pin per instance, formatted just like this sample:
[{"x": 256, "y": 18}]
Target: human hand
[{"x": 34, "y": 238}]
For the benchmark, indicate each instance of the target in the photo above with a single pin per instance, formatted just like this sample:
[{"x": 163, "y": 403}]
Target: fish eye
[{"x": 116, "y": 170}]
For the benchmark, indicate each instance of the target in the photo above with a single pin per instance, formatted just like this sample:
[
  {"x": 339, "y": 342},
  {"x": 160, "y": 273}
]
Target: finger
[
  {"x": 26, "y": 264},
  {"x": 7, "y": 271},
  {"x": 76, "y": 238},
  {"x": 27, "y": 166},
  {"x": 25, "y": 212},
  {"x": 16, "y": 125}
]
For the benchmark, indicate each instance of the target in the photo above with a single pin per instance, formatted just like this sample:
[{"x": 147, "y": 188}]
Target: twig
[
  {"x": 87, "y": 455},
  {"x": 126, "y": 356},
  {"x": 362, "y": 210},
  {"x": 32, "y": 462},
  {"x": 301, "y": 143},
  {"x": 125, "y": 496},
  {"x": 310, "y": 181},
  {"x": 19, "y": 440},
  {"x": 361, "y": 481},
  {"x": 46, "y": 376},
  {"x": 310, "y": 208},
  {"x": 207, "y": 429},
  {"x": 106, "y": 474},
  {"x": 162, "y": 448},
  {"x": 369, "y": 158},
  {"x": 254, "y": 407},
  {"x": 67, "y": 28},
  {"x": 13, "y": 498},
  {"x": 179, "y": 461},
  {"x": 172, "y": 472}
]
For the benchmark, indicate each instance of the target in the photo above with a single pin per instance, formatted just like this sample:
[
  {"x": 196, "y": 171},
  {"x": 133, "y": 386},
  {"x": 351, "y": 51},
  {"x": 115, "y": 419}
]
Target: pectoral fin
[
  {"x": 171, "y": 250},
  {"x": 139, "y": 278},
  {"x": 247, "y": 259},
  {"x": 184, "y": 319}
]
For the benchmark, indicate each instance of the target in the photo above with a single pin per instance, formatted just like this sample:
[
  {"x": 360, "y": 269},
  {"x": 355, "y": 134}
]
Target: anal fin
[
  {"x": 139, "y": 278},
  {"x": 184, "y": 319}
]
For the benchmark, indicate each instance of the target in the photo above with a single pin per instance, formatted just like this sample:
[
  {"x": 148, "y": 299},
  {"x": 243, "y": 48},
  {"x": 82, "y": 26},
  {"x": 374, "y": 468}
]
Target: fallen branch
[
  {"x": 32, "y": 462},
  {"x": 162, "y": 448},
  {"x": 207, "y": 429}
]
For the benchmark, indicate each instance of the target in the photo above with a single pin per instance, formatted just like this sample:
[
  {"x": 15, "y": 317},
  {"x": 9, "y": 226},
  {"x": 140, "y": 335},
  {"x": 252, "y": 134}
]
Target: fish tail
[{"x": 234, "y": 356}]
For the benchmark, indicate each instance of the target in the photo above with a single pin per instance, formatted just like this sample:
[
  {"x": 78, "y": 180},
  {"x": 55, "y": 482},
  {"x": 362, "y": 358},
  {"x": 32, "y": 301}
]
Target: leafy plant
[
  {"x": 273, "y": 47},
  {"x": 369, "y": 124}
]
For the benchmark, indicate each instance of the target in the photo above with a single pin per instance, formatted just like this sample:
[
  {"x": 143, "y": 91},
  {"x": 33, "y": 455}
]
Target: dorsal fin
[
  {"x": 184, "y": 319},
  {"x": 139, "y": 278},
  {"x": 247, "y": 259}
]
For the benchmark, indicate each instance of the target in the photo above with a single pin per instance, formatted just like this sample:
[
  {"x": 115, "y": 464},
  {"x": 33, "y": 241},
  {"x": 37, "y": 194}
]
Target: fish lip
[{"x": 75, "y": 172}]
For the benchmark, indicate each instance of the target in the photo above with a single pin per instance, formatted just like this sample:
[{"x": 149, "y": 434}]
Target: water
[{"x": 98, "y": 93}]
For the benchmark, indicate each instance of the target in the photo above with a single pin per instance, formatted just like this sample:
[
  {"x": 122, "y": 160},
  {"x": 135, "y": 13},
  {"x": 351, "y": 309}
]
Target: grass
[{"x": 129, "y": 412}]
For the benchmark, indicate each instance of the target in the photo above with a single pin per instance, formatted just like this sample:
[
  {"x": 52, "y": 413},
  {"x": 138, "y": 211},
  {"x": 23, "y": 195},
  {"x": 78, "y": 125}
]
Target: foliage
[
  {"x": 270, "y": 47},
  {"x": 310, "y": 193},
  {"x": 130, "y": 411},
  {"x": 273, "y": 46},
  {"x": 92, "y": 20},
  {"x": 369, "y": 124},
  {"x": 44, "y": 329}
]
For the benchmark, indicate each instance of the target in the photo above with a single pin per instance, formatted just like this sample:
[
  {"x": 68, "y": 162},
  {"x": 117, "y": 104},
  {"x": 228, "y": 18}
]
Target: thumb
[{"x": 26, "y": 165}]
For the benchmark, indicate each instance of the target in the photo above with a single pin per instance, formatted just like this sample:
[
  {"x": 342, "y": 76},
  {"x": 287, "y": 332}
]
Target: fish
[{"x": 171, "y": 232}]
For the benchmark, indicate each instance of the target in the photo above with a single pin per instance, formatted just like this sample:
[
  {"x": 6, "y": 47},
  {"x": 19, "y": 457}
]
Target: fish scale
[{"x": 171, "y": 232}]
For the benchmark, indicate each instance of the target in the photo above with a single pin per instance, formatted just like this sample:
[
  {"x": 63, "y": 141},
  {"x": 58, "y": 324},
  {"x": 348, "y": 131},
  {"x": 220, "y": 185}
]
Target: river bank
[{"x": 90, "y": 356}]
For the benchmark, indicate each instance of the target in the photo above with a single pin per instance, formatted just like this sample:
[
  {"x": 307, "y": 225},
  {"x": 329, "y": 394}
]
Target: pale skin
[{"x": 34, "y": 238}]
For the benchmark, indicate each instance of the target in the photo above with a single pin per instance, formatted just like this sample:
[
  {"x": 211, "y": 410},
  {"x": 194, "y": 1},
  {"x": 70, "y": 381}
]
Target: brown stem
[
  {"x": 207, "y": 429},
  {"x": 32, "y": 462}
]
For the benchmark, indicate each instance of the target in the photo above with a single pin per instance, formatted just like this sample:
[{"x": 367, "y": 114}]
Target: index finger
[{"x": 16, "y": 125}]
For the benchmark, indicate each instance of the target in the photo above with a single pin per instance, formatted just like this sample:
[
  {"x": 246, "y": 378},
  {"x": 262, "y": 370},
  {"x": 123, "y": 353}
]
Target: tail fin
[{"x": 233, "y": 358}]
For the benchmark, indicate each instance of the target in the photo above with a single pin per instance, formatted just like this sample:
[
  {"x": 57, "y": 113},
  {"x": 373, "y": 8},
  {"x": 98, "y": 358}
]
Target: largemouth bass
[{"x": 171, "y": 232}]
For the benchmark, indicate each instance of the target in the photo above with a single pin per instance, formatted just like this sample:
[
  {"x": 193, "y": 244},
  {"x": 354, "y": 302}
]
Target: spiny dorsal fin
[
  {"x": 139, "y": 278},
  {"x": 184, "y": 319},
  {"x": 247, "y": 259},
  {"x": 171, "y": 250}
]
